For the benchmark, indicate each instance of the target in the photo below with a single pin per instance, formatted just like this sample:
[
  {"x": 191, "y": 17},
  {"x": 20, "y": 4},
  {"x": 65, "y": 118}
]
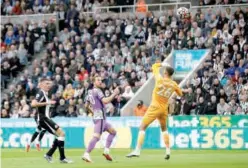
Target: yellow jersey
[{"x": 164, "y": 88}]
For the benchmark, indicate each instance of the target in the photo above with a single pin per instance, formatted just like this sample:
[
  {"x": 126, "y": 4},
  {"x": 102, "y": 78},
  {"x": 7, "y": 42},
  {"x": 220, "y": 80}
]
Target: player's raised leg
[
  {"x": 146, "y": 121},
  {"x": 98, "y": 129},
  {"x": 110, "y": 138},
  {"x": 162, "y": 120}
]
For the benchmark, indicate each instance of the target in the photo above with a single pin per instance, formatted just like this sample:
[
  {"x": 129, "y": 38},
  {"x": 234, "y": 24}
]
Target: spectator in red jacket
[
  {"x": 83, "y": 74},
  {"x": 17, "y": 10},
  {"x": 3, "y": 45},
  {"x": 236, "y": 76}
]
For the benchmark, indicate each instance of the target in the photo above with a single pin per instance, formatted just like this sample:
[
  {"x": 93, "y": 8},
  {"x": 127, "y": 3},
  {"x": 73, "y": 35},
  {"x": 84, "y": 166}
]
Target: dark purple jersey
[{"x": 95, "y": 96}]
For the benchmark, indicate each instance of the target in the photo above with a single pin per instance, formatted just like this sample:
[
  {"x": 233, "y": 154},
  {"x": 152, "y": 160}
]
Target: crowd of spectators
[
  {"x": 122, "y": 51},
  {"x": 221, "y": 84},
  {"x": 21, "y": 7},
  {"x": 19, "y": 43}
]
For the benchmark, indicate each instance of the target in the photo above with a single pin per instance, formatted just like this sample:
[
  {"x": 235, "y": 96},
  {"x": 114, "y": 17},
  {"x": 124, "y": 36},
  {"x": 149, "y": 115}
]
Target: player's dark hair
[
  {"x": 94, "y": 78},
  {"x": 140, "y": 102},
  {"x": 44, "y": 79},
  {"x": 222, "y": 97},
  {"x": 121, "y": 89},
  {"x": 91, "y": 85},
  {"x": 169, "y": 70}
]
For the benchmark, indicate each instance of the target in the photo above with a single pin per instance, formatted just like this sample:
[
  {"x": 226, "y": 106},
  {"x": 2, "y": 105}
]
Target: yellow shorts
[{"x": 153, "y": 113}]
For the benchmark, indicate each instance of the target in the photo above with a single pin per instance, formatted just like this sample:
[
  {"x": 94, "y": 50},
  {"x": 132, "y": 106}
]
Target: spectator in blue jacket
[
  {"x": 9, "y": 37},
  {"x": 231, "y": 70}
]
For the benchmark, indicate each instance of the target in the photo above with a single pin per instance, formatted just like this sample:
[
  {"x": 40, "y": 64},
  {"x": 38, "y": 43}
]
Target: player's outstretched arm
[
  {"x": 107, "y": 100},
  {"x": 35, "y": 103},
  {"x": 155, "y": 69},
  {"x": 179, "y": 91}
]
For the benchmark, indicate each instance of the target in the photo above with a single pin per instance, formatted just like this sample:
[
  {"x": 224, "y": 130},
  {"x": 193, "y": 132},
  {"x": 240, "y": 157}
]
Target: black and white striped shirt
[{"x": 43, "y": 111}]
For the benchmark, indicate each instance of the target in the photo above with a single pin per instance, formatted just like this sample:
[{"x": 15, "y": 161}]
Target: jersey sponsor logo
[{"x": 37, "y": 95}]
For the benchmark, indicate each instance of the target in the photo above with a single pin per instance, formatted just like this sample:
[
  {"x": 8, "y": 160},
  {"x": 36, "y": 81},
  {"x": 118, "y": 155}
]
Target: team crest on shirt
[{"x": 37, "y": 95}]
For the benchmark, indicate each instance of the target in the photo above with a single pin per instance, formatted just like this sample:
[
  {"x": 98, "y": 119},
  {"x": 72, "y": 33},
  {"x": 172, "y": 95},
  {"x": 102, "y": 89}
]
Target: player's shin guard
[
  {"x": 166, "y": 142},
  {"x": 53, "y": 148},
  {"x": 141, "y": 138},
  {"x": 92, "y": 144},
  {"x": 42, "y": 133},
  {"x": 61, "y": 144}
]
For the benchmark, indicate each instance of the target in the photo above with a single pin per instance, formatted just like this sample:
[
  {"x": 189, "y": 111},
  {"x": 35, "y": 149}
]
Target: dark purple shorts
[{"x": 101, "y": 126}]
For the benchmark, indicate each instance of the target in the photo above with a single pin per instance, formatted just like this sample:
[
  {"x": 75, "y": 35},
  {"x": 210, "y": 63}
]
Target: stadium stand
[
  {"x": 122, "y": 49},
  {"x": 20, "y": 7},
  {"x": 19, "y": 43}
]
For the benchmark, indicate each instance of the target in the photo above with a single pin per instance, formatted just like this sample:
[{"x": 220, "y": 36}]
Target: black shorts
[{"x": 49, "y": 125}]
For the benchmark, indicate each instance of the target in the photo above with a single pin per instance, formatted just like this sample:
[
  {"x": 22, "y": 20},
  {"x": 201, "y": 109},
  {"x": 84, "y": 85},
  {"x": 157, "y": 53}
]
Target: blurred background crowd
[
  {"x": 121, "y": 50},
  {"x": 20, "y": 7}
]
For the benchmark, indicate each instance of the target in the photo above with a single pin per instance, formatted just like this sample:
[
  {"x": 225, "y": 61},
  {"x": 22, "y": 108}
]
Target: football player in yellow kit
[{"x": 158, "y": 109}]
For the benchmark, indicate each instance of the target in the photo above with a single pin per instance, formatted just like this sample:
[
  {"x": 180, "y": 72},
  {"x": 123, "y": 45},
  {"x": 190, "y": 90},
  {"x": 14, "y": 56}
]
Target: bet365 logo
[{"x": 215, "y": 121}]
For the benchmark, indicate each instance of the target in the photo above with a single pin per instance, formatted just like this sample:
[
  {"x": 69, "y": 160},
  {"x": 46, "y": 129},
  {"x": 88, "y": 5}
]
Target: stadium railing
[
  {"x": 162, "y": 6},
  {"x": 147, "y": 88},
  {"x": 150, "y": 7},
  {"x": 157, "y": 9},
  {"x": 126, "y": 10},
  {"x": 215, "y": 8}
]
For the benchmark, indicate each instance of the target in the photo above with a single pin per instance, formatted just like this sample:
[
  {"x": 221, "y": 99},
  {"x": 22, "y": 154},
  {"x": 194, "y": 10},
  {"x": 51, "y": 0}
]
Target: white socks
[
  {"x": 167, "y": 151},
  {"x": 106, "y": 151},
  {"x": 165, "y": 133},
  {"x": 86, "y": 154},
  {"x": 141, "y": 138},
  {"x": 61, "y": 138},
  {"x": 137, "y": 150}
]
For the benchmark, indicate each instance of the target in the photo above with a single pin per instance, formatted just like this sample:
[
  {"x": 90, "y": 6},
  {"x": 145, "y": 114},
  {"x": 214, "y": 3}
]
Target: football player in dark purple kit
[{"x": 96, "y": 101}]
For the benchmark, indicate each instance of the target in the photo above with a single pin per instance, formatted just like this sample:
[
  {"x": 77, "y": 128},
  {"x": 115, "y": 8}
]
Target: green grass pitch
[{"x": 18, "y": 158}]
